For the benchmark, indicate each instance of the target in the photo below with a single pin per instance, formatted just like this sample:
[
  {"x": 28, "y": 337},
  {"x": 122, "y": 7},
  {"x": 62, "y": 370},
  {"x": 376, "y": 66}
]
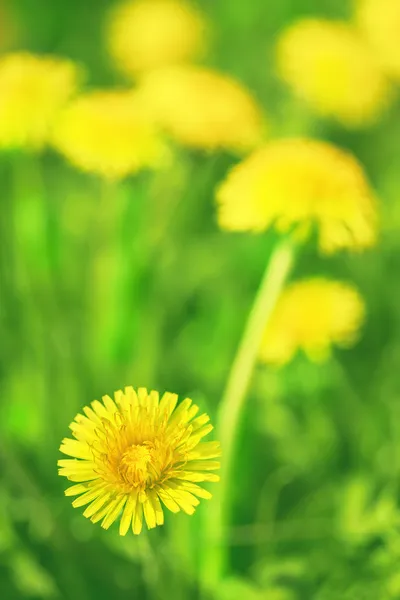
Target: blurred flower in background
[
  {"x": 303, "y": 182},
  {"x": 147, "y": 34},
  {"x": 134, "y": 453},
  {"x": 312, "y": 315},
  {"x": 380, "y": 22},
  {"x": 110, "y": 133},
  {"x": 33, "y": 90},
  {"x": 204, "y": 109},
  {"x": 330, "y": 66}
]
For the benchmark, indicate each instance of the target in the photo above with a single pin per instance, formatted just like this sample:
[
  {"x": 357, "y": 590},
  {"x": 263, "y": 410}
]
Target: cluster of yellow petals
[
  {"x": 332, "y": 67},
  {"x": 110, "y": 133},
  {"x": 136, "y": 453},
  {"x": 312, "y": 315},
  {"x": 33, "y": 90},
  {"x": 204, "y": 109},
  {"x": 148, "y": 34},
  {"x": 300, "y": 182},
  {"x": 379, "y": 20}
]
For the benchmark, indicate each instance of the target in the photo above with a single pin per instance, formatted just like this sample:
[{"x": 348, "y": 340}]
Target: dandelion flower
[
  {"x": 330, "y": 66},
  {"x": 301, "y": 182},
  {"x": 33, "y": 89},
  {"x": 312, "y": 315},
  {"x": 136, "y": 453},
  {"x": 204, "y": 109},
  {"x": 148, "y": 34},
  {"x": 380, "y": 22},
  {"x": 109, "y": 133}
]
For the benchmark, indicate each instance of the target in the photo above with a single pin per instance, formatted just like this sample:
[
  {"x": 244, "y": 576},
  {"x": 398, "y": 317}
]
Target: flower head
[
  {"x": 136, "y": 453},
  {"x": 33, "y": 90},
  {"x": 108, "y": 132},
  {"x": 293, "y": 182},
  {"x": 380, "y": 22},
  {"x": 204, "y": 109},
  {"x": 148, "y": 34},
  {"x": 329, "y": 65},
  {"x": 312, "y": 315}
]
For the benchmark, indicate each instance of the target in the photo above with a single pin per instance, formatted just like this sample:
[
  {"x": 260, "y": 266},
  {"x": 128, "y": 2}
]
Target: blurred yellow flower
[
  {"x": 301, "y": 182},
  {"x": 380, "y": 22},
  {"x": 329, "y": 65},
  {"x": 33, "y": 89},
  {"x": 204, "y": 109},
  {"x": 312, "y": 315},
  {"x": 148, "y": 34},
  {"x": 134, "y": 453},
  {"x": 109, "y": 133}
]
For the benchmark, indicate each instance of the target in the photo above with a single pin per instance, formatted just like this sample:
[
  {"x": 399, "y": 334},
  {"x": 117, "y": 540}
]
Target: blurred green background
[{"x": 160, "y": 301}]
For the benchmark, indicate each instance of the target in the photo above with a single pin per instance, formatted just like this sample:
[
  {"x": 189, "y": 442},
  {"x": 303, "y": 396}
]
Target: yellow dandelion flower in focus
[
  {"x": 148, "y": 34},
  {"x": 301, "y": 182},
  {"x": 204, "y": 109},
  {"x": 33, "y": 90},
  {"x": 312, "y": 315},
  {"x": 109, "y": 133},
  {"x": 135, "y": 454},
  {"x": 329, "y": 65},
  {"x": 380, "y": 22}
]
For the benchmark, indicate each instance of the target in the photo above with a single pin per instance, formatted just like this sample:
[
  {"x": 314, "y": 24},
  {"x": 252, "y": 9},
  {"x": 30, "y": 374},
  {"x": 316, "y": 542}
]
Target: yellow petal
[
  {"x": 193, "y": 410},
  {"x": 168, "y": 500},
  {"x": 129, "y": 509},
  {"x": 78, "y": 477},
  {"x": 81, "y": 488},
  {"x": 75, "y": 464},
  {"x": 109, "y": 404},
  {"x": 195, "y": 476},
  {"x": 182, "y": 439},
  {"x": 82, "y": 432},
  {"x": 203, "y": 465},
  {"x": 101, "y": 410},
  {"x": 198, "y": 435},
  {"x": 167, "y": 405},
  {"x": 153, "y": 399},
  {"x": 82, "y": 420},
  {"x": 137, "y": 521},
  {"x": 149, "y": 514},
  {"x": 182, "y": 408},
  {"x": 205, "y": 430},
  {"x": 74, "y": 490},
  {"x": 175, "y": 489},
  {"x": 122, "y": 400},
  {"x": 142, "y": 396},
  {"x": 196, "y": 490},
  {"x": 205, "y": 450},
  {"x": 154, "y": 499},
  {"x": 114, "y": 510},
  {"x": 108, "y": 506},
  {"x": 200, "y": 421},
  {"x": 185, "y": 500},
  {"x": 131, "y": 396},
  {"x": 91, "y": 415},
  {"x": 89, "y": 496},
  {"x": 96, "y": 505},
  {"x": 76, "y": 449}
]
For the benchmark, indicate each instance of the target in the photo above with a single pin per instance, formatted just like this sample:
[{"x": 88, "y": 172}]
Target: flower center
[{"x": 136, "y": 465}]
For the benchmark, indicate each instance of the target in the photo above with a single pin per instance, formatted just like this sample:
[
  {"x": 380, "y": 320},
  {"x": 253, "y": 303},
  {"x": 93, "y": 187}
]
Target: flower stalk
[{"x": 231, "y": 408}]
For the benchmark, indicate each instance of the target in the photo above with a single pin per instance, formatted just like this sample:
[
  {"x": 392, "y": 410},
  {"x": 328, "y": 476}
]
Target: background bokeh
[{"x": 106, "y": 286}]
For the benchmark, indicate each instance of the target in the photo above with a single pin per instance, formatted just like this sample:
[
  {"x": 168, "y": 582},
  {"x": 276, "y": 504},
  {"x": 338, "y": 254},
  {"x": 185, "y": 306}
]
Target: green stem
[{"x": 231, "y": 406}]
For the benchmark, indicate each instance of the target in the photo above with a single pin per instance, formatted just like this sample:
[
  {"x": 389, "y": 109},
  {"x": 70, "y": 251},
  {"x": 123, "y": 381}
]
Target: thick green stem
[{"x": 216, "y": 544}]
